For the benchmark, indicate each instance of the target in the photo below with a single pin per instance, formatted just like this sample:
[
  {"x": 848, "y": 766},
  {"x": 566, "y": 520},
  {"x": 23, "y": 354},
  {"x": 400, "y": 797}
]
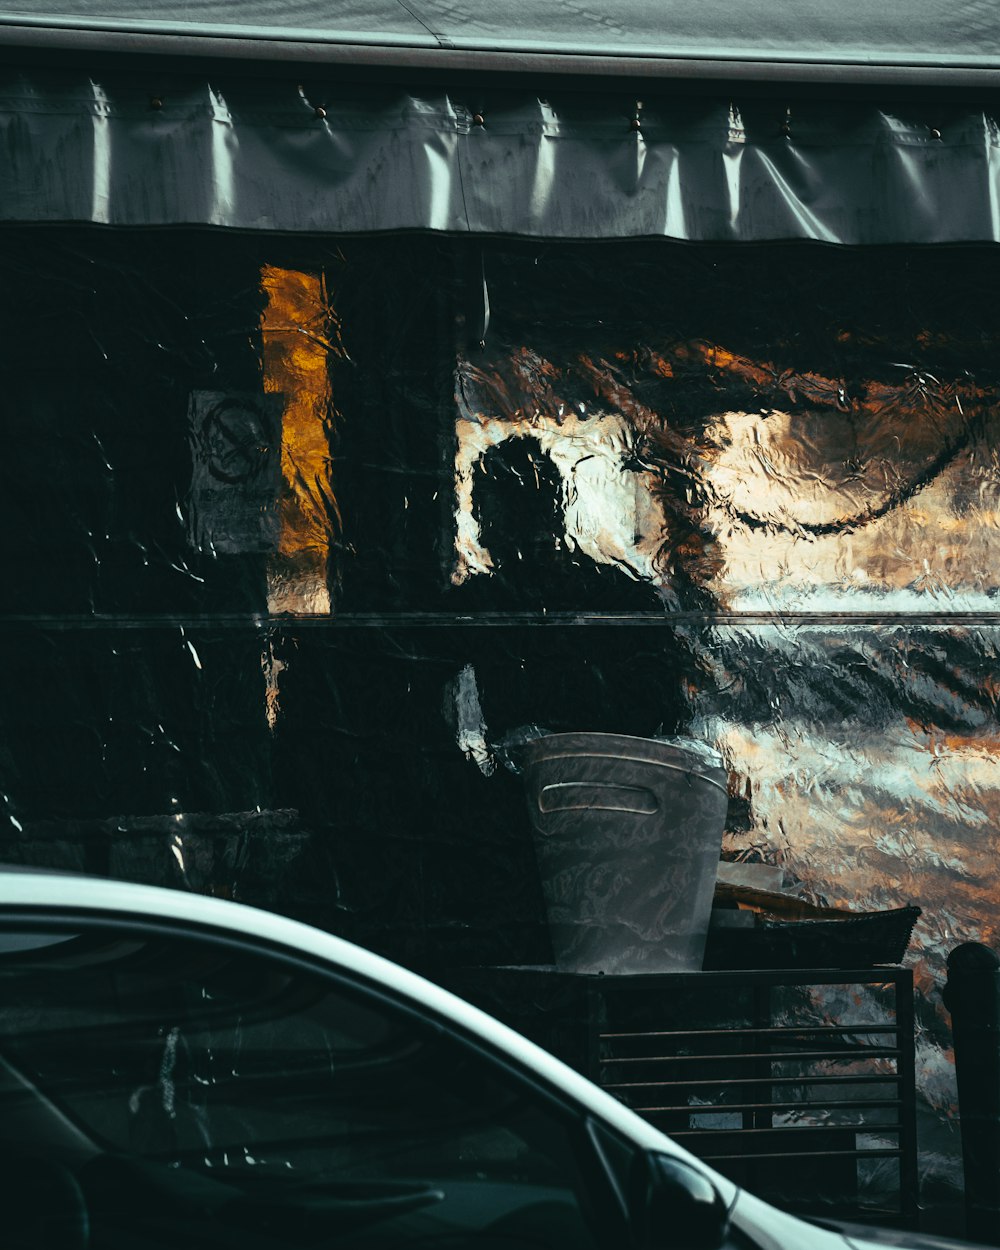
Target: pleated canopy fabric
[
  {"x": 309, "y": 148},
  {"x": 144, "y": 149}
]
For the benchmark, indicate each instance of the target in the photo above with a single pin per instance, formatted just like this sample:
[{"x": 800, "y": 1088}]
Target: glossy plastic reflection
[
  {"x": 287, "y": 157},
  {"x": 283, "y": 566}
]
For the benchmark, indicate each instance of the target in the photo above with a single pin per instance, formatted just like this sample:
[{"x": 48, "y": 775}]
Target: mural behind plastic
[{"x": 293, "y": 541}]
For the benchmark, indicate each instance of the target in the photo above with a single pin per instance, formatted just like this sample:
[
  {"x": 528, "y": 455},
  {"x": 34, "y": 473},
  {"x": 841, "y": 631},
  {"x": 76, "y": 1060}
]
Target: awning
[
  {"x": 148, "y": 149},
  {"x": 850, "y": 40}
]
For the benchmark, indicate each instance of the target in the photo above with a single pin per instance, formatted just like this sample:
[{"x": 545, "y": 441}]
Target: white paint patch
[
  {"x": 609, "y": 511},
  {"x": 167, "y": 1065},
  {"x": 471, "y": 735},
  {"x": 272, "y": 668}
]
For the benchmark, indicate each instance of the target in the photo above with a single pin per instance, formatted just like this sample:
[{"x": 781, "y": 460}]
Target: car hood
[
  {"x": 771, "y": 1229},
  {"x": 863, "y": 1237}
]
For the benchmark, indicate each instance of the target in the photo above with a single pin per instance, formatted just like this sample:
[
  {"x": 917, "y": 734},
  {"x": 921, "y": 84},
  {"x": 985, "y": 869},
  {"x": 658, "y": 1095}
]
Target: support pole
[{"x": 972, "y": 995}]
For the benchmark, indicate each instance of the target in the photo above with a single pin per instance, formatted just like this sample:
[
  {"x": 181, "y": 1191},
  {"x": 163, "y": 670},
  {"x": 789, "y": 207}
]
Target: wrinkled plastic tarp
[
  {"x": 152, "y": 149},
  {"x": 287, "y": 551}
]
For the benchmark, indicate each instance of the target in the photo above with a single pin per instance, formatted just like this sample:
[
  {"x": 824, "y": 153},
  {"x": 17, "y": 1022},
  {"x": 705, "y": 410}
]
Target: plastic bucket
[{"x": 627, "y": 833}]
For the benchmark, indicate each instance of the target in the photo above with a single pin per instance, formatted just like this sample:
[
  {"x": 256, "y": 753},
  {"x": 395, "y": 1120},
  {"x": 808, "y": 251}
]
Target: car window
[{"x": 232, "y": 1095}]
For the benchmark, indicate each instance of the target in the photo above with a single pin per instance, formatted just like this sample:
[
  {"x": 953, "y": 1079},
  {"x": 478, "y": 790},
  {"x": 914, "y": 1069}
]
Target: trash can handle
[{"x": 606, "y": 796}]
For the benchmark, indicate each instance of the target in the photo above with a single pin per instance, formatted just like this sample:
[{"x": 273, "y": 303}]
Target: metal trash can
[{"x": 628, "y": 834}]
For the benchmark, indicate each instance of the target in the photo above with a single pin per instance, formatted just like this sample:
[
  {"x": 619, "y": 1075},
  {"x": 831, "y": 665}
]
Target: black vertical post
[
  {"x": 909, "y": 1179},
  {"x": 596, "y": 1014},
  {"x": 972, "y": 995},
  {"x": 761, "y": 1092}
]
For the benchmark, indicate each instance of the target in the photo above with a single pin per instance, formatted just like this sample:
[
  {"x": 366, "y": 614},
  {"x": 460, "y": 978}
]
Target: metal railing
[
  {"x": 793, "y": 1111},
  {"x": 798, "y": 1084}
]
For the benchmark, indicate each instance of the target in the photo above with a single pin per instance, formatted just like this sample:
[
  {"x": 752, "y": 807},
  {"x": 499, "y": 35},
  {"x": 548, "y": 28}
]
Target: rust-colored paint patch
[{"x": 300, "y": 331}]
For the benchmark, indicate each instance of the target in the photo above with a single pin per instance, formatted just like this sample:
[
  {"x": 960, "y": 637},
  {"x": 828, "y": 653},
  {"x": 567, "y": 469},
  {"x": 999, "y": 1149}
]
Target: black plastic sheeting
[
  {"x": 151, "y": 149},
  {"x": 294, "y": 534}
]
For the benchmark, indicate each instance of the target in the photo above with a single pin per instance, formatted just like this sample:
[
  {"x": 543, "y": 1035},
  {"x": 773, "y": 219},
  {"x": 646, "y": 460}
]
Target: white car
[{"x": 179, "y": 1072}]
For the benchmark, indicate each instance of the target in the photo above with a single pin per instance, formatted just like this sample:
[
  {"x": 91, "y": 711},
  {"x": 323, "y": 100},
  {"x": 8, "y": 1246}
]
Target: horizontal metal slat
[
  {"x": 803, "y": 1154},
  {"x": 810, "y": 1105},
  {"x": 787, "y": 1130},
  {"x": 780, "y": 1056},
  {"x": 727, "y": 1082},
  {"x": 768, "y": 1031}
]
